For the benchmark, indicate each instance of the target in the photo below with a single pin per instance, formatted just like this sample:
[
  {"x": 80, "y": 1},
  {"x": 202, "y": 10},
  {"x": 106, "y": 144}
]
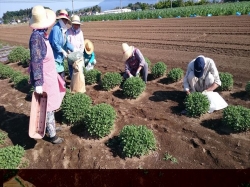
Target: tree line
[{"x": 24, "y": 14}]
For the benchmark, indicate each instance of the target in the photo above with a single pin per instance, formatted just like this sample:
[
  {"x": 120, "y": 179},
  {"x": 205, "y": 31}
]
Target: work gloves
[{"x": 39, "y": 89}]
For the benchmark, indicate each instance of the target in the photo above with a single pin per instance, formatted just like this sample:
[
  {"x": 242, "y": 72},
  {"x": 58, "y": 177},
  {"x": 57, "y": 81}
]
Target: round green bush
[
  {"x": 11, "y": 156},
  {"x": 226, "y": 81},
  {"x": 175, "y": 74},
  {"x": 5, "y": 71},
  {"x": 75, "y": 106},
  {"x": 148, "y": 61},
  {"x": 248, "y": 88},
  {"x": 19, "y": 54},
  {"x": 159, "y": 69},
  {"x": 133, "y": 87},
  {"x": 100, "y": 120},
  {"x": 237, "y": 117},
  {"x": 92, "y": 76},
  {"x": 196, "y": 104},
  {"x": 136, "y": 140},
  {"x": 111, "y": 80}
]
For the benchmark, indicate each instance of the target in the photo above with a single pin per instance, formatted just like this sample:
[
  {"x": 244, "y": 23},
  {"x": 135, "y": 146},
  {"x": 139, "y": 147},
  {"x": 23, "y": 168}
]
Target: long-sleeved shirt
[
  {"x": 209, "y": 67},
  {"x": 59, "y": 42},
  {"x": 76, "y": 38},
  {"x": 89, "y": 58},
  {"x": 38, "y": 52},
  {"x": 133, "y": 63}
]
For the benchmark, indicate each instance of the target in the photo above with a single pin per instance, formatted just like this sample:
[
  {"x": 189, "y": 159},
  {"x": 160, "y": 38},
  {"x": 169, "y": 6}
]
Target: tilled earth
[{"x": 196, "y": 143}]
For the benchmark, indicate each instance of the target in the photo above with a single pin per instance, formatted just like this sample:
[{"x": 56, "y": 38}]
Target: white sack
[{"x": 216, "y": 101}]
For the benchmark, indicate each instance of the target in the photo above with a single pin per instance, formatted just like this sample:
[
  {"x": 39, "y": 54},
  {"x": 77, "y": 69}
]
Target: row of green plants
[
  {"x": 19, "y": 54},
  {"x": 219, "y": 9},
  {"x": 20, "y": 81}
]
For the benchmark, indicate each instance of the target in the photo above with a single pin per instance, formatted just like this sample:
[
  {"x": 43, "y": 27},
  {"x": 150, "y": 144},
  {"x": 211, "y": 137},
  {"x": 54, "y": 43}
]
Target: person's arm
[
  {"x": 215, "y": 73},
  {"x": 185, "y": 79},
  {"x": 141, "y": 59},
  {"x": 127, "y": 69},
  {"x": 55, "y": 39},
  {"x": 92, "y": 58},
  {"x": 38, "y": 52}
]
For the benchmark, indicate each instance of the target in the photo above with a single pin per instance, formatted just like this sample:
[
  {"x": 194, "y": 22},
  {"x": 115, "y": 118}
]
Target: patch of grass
[{"x": 167, "y": 156}]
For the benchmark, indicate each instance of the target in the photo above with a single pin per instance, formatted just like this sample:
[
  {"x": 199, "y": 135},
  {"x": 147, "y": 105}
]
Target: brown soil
[{"x": 196, "y": 143}]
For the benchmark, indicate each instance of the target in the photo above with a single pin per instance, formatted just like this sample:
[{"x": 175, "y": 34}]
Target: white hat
[
  {"x": 89, "y": 47},
  {"x": 63, "y": 14},
  {"x": 41, "y": 18},
  {"x": 76, "y": 20},
  {"x": 127, "y": 51}
]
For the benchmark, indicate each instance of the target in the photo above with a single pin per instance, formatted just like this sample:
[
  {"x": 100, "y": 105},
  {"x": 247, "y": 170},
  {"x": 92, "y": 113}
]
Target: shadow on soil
[
  {"x": 115, "y": 148},
  {"x": 217, "y": 126},
  {"x": 17, "y": 127},
  {"x": 176, "y": 96},
  {"x": 241, "y": 95}
]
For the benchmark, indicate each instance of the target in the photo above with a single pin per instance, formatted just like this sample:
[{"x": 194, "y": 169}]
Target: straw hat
[
  {"x": 41, "y": 18},
  {"x": 63, "y": 14},
  {"x": 127, "y": 51},
  {"x": 89, "y": 47},
  {"x": 76, "y": 20}
]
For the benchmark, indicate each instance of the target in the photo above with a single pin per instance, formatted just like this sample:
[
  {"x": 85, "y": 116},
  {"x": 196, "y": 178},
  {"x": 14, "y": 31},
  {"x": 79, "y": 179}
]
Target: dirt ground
[{"x": 196, "y": 143}]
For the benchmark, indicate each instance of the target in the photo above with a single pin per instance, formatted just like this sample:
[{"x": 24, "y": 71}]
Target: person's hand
[
  {"x": 39, "y": 89},
  {"x": 94, "y": 62},
  {"x": 130, "y": 75},
  {"x": 65, "y": 54},
  {"x": 204, "y": 92},
  {"x": 137, "y": 74},
  {"x": 188, "y": 92}
]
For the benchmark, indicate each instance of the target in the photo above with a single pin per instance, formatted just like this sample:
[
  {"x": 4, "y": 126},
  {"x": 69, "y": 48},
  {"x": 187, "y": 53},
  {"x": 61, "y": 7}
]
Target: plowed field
[{"x": 196, "y": 143}]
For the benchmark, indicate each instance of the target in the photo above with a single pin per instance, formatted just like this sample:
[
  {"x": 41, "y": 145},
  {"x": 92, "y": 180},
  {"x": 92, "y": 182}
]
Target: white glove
[
  {"x": 39, "y": 89},
  {"x": 94, "y": 62},
  {"x": 131, "y": 76},
  {"x": 137, "y": 74},
  {"x": 65, "y": 54},
  {"x": 204, "y": 92}
]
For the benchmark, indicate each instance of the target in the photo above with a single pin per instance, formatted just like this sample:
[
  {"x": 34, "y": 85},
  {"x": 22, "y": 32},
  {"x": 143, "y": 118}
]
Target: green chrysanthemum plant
[
  {"x": 100, "y": 120},
  {"x": 226, "y": 81},
  {"x": 136, "y": 140},
  {"x": 175, "y": 74},
  {"x": 196, "y": 104},
  {"x": 159, "y": 69},
  {"x": 111, "y": 80},
  {"x": 133, "y": 87}
]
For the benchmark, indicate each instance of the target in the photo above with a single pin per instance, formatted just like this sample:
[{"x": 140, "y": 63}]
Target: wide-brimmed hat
[
  {"x": 89, "y": 47},
  {"x": 199, "y": 65},
  {"x": 127, "y": 51},
  {"x": 41, "y": 18},
  {"x": 63, "y": 14},
  {"x": 76, "y": 20}
]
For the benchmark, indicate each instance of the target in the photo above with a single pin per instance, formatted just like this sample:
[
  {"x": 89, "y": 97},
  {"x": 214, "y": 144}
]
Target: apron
[{"x": 53, "y": 83}]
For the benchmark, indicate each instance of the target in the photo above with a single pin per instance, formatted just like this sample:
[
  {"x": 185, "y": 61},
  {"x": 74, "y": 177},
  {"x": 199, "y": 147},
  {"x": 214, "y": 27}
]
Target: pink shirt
[{"x": 76, "y": 39}]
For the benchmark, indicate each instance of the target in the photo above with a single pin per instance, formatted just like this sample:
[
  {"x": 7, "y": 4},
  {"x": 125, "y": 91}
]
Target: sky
[{"x": 16, "y": 5}]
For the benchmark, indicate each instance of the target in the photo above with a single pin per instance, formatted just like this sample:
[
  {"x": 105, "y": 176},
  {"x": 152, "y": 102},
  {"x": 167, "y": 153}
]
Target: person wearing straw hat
[
  {"x": 59, "y": 42},
  {"x": 43, "y": 75},
  {"x": 89, "y": 55},
  {"x": 75, "y": 37},
  {"x": 135, "y": 63}
]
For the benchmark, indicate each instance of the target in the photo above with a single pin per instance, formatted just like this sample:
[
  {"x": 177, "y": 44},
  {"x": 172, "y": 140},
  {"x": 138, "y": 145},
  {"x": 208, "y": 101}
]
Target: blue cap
[{"x": 199, "y": 65}]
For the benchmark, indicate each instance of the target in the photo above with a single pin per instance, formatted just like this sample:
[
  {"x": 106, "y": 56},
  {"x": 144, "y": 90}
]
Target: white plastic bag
[{"x": 216, "y": 101}]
